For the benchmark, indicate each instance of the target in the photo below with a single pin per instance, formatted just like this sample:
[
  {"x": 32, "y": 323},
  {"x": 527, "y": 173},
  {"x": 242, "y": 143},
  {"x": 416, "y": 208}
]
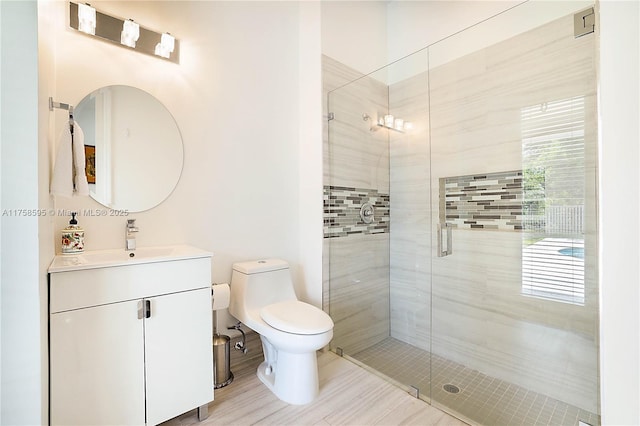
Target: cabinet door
[
  {"x": 179, "y": 358},
  {"x": 97, "y": 369}
]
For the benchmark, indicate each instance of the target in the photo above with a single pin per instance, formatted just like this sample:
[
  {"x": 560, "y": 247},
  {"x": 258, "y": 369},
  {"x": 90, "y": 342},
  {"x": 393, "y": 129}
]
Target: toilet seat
[{"x": 293, "y": 316}]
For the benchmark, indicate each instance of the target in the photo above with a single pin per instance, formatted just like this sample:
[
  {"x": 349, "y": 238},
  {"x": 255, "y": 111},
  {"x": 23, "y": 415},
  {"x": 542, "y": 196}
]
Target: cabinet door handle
[{"x": 144, "y": 309}]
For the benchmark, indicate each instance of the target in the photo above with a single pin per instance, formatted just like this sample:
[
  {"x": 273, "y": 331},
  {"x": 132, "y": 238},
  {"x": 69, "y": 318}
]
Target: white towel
[
  {"x": 62, "y": 182},
  {"x": 82, "y": 187}
]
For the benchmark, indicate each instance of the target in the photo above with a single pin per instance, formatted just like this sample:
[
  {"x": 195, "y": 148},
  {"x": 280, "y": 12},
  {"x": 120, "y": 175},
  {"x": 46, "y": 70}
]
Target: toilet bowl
[{"x": 291, "y": 331}]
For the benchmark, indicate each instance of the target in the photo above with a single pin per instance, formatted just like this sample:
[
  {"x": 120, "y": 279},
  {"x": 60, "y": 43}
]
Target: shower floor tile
[{"x": 481, "y": 399}]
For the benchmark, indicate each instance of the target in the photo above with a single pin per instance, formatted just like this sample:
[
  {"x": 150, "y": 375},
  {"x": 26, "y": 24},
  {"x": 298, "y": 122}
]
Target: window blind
[{"x": 553, "y": 199}]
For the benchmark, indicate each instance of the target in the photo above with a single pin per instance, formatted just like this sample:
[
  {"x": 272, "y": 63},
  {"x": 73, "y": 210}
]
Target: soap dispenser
[{"x": 72, "y": 237}]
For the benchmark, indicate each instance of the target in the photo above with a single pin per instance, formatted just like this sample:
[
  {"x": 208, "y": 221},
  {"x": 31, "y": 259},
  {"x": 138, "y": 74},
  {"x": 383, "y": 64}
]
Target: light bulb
[
  {"x": 86, "y": 19},
  {"x": 130, "y": 33},
  {"x": 166, "y": 45},
  {"x": 388, "y": 120}
]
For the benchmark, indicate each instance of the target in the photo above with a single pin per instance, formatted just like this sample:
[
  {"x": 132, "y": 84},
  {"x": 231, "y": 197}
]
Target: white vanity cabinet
[{"x": 130, "y": 343}]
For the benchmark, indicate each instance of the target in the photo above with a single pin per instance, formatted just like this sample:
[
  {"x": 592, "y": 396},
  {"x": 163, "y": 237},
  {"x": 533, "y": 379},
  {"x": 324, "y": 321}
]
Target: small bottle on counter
[{"x": 72, "y": 237}]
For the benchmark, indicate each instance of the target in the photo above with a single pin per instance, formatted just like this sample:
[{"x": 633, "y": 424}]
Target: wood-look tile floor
[{"x": 349, "y": 395}]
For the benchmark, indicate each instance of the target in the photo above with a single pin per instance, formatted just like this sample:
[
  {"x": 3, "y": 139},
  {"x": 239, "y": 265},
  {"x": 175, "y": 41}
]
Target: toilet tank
[{"x": 259, "y": 283}]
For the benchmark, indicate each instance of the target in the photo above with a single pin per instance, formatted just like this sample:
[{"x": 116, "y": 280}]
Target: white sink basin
[{"x": 119, "y": 257}]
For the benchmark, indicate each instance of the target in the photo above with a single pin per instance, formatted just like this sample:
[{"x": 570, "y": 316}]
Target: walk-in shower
[{"x": 460, "y": 242}]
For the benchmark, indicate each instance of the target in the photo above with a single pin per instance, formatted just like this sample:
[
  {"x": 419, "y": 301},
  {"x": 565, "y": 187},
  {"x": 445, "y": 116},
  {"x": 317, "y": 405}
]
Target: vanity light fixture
[
  {"x": 86, "y": 18},
  {"x": 393, "y": 123},
  {"x": 166, "y": 46},
  {"x": 123, "y": 32},
  {"x": 130, "y": 33}
]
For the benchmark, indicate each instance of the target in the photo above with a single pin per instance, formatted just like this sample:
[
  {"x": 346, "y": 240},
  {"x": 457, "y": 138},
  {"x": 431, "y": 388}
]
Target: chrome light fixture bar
[
  {"x": 394, "y": 123},
  {"x": 123, "y": 32}
]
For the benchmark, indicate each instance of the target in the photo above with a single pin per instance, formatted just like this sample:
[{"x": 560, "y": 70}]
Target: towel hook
[{"x": 53, "y": 104}]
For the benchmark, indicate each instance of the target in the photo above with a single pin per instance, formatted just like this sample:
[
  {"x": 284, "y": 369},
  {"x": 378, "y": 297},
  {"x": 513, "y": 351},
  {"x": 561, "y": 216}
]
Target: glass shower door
[
  {"x": 356, "y": 198},
  {"x": 377, "y": 207},
  {"x": 514, "y": 293}
]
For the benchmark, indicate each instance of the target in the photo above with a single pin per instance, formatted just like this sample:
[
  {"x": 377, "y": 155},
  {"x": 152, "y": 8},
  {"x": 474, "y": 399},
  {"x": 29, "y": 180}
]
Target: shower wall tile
[
  {"x": 342, "y": 211},
  {"x": 334, "y": 75},
  {"x": 358, "y": 154},
  {"x": 359, "y": 290},
  {"x": 356, "y": 168},
  {"x": 326, "y": 247},
  {"x": 480, "y": 317},
  {"x": 410, "y": 238},
  {"x": 486, "y": 201}
]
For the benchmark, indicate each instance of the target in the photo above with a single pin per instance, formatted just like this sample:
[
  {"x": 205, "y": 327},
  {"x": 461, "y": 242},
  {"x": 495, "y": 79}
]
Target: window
[{"x": 553, "y": 200}]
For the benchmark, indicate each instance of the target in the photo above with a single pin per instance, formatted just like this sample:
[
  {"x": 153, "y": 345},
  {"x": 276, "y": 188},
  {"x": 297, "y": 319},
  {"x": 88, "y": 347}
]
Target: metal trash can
[{"x": 222, "y": 374}]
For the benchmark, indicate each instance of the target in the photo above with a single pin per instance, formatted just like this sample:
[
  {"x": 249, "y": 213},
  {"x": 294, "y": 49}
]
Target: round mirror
[{"x": 133, "y": 148}]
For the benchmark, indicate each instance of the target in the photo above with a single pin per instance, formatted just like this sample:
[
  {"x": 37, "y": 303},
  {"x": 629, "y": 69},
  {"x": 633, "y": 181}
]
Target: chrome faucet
[{"x": 130, "y": 234}]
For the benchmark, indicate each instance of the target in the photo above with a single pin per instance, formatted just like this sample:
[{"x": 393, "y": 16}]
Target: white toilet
[{"x": 263, "y": 298}]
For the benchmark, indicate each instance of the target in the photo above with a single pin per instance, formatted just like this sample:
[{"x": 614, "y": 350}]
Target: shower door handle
[{"x": 445, "y": 241}]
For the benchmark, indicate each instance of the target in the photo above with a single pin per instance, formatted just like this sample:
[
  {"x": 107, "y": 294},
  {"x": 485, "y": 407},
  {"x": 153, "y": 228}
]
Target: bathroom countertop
[{"x": 119, "y": 257}]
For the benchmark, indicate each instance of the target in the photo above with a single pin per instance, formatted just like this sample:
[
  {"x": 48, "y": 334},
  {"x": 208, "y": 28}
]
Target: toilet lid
[{"x": 293, "y": 316}]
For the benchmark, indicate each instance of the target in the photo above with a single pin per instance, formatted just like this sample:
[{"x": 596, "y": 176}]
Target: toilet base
[{"x": 292, "y": 377}]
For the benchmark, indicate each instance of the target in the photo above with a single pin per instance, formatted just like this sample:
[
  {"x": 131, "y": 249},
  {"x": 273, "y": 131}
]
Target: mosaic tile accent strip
[
  {"x": 342, "y": 211},
  {"x": 487, "y": 201}
]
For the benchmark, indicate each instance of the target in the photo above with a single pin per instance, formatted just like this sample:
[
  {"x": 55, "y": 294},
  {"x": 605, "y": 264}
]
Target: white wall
[
  {"x": 453, "y": 29},
  {"x": 310, "y": 153},
  {"x": 354, "y": 33},
  {"x": 619, "y": 212},
  {"x": 237, "y": 99},
  {"x": 413, "y": 25},
  {"x": 46, "y": 85},
  {"x": 368, "y": 35},
  {"x": 21, "y": 332}
]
